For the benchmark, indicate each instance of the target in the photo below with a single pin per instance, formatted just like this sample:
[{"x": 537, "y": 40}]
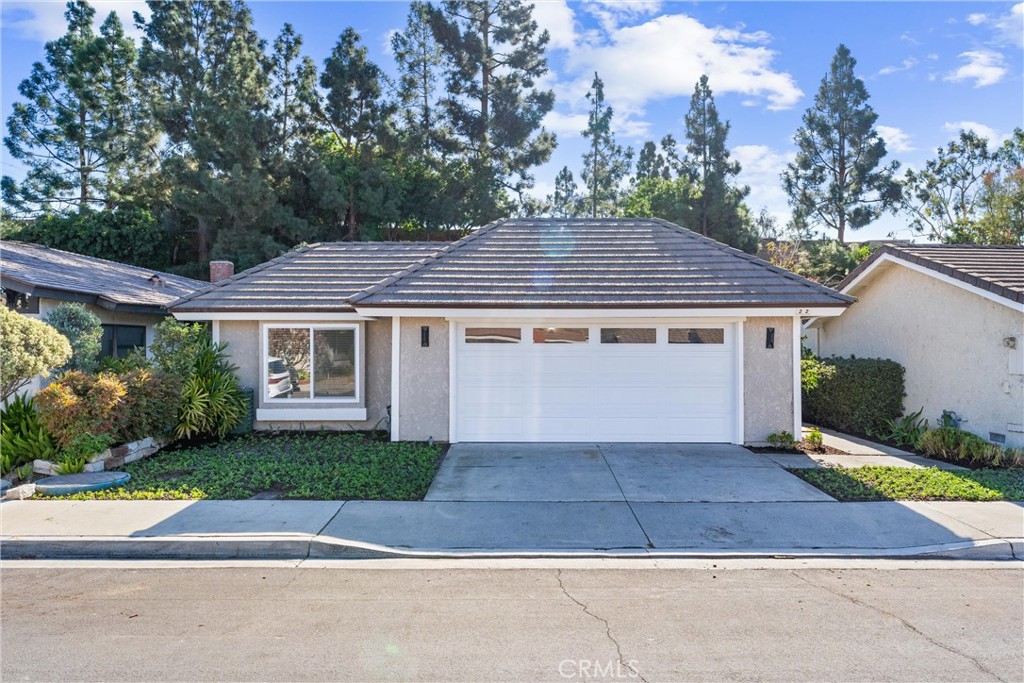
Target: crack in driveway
[
  {"x": 607, "y": 628},
  {"x": 906, "y": 624}
]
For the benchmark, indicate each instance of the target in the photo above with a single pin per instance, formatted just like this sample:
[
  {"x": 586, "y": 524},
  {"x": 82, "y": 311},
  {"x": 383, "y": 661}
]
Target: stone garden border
[{"x": 110, "y": 459}]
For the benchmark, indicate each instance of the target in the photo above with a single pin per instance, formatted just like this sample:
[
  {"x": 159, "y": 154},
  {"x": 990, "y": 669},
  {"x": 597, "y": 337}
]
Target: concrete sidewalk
[{"x": 299, "y": 529}]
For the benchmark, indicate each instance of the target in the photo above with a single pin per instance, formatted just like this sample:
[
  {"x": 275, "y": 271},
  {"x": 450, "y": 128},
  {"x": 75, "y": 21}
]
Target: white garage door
[{"x": 610, "y": 382}]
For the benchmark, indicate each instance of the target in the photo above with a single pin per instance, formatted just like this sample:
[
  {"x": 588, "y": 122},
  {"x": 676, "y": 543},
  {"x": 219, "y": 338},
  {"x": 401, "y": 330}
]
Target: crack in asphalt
[
  {"x": 906, "y": 624},
  {"x": 607, "y": 627}
]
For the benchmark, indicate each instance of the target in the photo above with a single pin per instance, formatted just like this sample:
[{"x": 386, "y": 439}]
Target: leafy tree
[
  {"x": 494, "y": 57},
  {"x": 28, "y": 347},
  {"x": 83, "y": 331},
  {"x": 565, "y": 202},
  {"x": 836, "y": 180},
  {"x": 943, "y": 198},
  {"x": 132, "y": 236},
  {"x": 721, "y": 213},
  {"x": 829, "y": 261},
  {"x": 605, "y": 163},
  {"x": 999, "y": 217},
  {"x": 672, "y": 200},
  {"x": 79, "y": 131}
]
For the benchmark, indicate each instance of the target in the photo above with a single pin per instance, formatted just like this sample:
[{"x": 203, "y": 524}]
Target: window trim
[{"x": 357, "y": 362}]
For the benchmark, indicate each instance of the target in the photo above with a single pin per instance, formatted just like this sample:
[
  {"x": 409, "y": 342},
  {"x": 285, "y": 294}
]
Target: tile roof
[
  {"x": 44, "y": 271},
  {"x": 583, "y": 263},
  {"x": 993, "y": 268},
  {"x": 315, "y": 278}
]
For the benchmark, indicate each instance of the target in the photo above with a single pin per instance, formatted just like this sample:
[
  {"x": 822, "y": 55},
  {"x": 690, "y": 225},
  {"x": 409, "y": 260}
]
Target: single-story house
[
  {"x": 953, "y": 316},
  {"x": 128, "y": 300},
  {"x": 525, "y": 330}
]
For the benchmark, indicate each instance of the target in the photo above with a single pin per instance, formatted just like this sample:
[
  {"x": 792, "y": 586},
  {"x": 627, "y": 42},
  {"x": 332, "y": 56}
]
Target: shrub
[
  {"x": 781, "y": 439},
  {"x": 175, "y": 346},
  {"x": 83, "y": 329},
  {"x": 212, "y": 403},
  {"x": 814, "y": 439},
  {"x": 28, "y": 347},
  {"x": 80, "y": 403},
  {"x": 23, "y": 438},
  {"x": 957, "y": 446},
  {"x": 149, "y": 406},
  {"x": 905, "y": 431},
  {"x": 861, "y": 396}
]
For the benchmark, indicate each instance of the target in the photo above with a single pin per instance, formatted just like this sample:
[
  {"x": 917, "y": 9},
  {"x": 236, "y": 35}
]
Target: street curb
[{"x": 300, "y": 546}]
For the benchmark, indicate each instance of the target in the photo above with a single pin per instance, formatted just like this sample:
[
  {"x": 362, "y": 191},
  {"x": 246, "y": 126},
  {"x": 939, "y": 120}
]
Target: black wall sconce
[
  {"x": 769, "y": 338},
  {"x": 425, "y": 335}
]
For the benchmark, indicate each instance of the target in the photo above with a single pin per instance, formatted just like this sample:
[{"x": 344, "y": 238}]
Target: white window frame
[{"x": 265, "y": 354}]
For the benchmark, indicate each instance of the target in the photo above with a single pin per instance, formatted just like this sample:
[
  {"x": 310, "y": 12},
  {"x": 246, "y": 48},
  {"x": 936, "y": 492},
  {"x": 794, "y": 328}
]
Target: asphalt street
[{"x": 113, "y": 623}]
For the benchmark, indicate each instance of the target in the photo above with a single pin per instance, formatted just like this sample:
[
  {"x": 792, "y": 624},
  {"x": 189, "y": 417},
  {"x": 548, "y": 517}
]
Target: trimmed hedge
[{"x": 860, "y": 396}]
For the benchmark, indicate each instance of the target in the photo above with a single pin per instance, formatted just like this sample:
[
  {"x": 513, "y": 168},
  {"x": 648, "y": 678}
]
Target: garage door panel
[{"x": 608, "y": 392}]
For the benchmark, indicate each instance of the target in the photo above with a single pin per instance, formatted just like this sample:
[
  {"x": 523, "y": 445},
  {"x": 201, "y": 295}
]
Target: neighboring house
[
  {"x": 953, "y": 316},
  {"x": 525, "y": 330},
  {"x": 128, "y": 300}
]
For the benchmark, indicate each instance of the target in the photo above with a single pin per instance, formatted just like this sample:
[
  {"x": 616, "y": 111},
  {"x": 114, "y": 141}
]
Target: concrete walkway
[{"x": 300, "y": 529}]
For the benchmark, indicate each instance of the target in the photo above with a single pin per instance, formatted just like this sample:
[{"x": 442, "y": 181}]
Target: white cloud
[
  {"x": 611, "y": 14},
  {"x": 984, "y": 67},
  {"x": 761, "y": 168},
  {"x": 905, "y": 65},
  {"x": 565, "y": 124},
  {"x": 1008, "y": 28},
  {"x": 44, "y": 21},
  {"x": 896, "y": 139},
  {"x": 664, "y": 58},
  {"x": 558, "y": 18},
  {"x": 994, "y": 137}
]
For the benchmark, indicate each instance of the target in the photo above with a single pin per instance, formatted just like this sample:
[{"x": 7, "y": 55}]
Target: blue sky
[{"x": 931, "y": 68}]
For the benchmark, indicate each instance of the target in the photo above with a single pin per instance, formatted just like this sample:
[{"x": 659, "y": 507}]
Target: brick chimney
[{"x": 221, "y": 270}]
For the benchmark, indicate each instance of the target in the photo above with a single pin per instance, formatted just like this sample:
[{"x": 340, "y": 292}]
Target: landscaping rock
[
  {"x": 79, "y": 483},
  {"x": 20, "y": 492},
  {"x": 115, "y": 462},
  {"x": 96, "y": 466},
  {"x": 119, "y": 451},
  {"x": 102, "y": 455},
  {"x": 43, "y": 467},
  {"x": 4, "y": 485}
]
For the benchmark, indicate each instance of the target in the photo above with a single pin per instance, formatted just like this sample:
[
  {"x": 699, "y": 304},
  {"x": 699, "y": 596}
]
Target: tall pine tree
[
  {"x": 208, "y": 84},
  {"x": 79, "y": 132},
  {"x": 838, "y": 180},
  {"x": 720, "y": 211},
  {"x": 494, "y": 56},
  {"x": 605, "y": 163},
  {"x": 419, "y": 59}
]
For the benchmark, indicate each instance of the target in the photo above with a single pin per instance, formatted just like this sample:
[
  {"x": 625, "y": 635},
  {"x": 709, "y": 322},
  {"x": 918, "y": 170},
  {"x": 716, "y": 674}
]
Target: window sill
[{"x": 310, "y": 414}]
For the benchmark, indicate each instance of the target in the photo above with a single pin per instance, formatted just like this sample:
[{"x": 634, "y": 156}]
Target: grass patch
[
  {"x": 312, "y": 466},
  {"x": 903, "y": 483}
]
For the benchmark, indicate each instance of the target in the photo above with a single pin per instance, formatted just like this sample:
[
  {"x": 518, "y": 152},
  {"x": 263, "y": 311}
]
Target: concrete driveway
[{"x": 632, "y": 473}]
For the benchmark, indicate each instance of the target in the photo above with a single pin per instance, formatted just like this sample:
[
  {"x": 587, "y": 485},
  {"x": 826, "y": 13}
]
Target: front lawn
[
  {"x": 903, "y": 483},
  {"x": 314, "y": 466}
]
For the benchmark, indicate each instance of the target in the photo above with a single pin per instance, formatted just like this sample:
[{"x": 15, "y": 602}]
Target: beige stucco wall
[
  {"x": 424, "y": 381},
  {"x": 949, "y": 340},
  {"x": 244, "y": 346},
  {"x": 767, "y": 379}
]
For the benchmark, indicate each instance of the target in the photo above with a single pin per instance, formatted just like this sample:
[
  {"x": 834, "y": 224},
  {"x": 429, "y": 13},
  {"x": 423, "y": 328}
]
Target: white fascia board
[
  {"x": 267, "y": 316},
  {"x": 458, "y": 314},
  {"x": 310, "y": 414},
  {"x": 924, "y": 270}
]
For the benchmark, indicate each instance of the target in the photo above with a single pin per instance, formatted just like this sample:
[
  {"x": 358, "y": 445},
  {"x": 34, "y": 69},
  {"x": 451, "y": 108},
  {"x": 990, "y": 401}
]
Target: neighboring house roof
[
  {"x": 995, "y": 269},
  {"x": 51, "y": 273},
  {"x": 600, "y": 263},
  {"x": 315, "y": 278}
]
